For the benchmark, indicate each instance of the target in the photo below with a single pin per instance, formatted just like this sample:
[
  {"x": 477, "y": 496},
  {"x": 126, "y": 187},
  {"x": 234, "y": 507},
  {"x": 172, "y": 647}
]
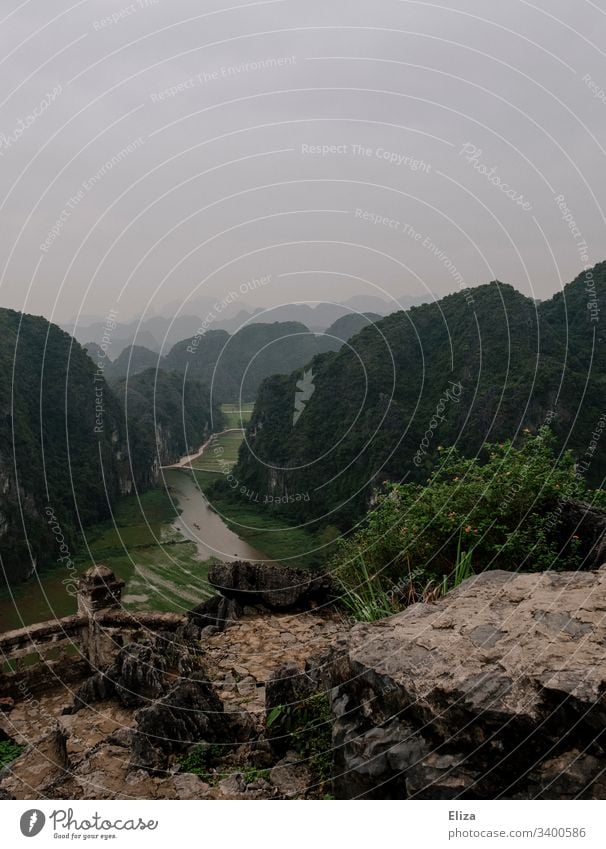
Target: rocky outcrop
[
  {"x": 216, "y": 612},
  {"x": 169, "y": 698},
  {"x": 189, "y": 714},
  {"x": 42, "y": 764},
  {"x": 497, "y": 691},
  {"x": 140, "y": 673},
  {"x": 272, "y": 585},
  {"x": 179, "y": 705},
  {"x": 289, "y": 690}
]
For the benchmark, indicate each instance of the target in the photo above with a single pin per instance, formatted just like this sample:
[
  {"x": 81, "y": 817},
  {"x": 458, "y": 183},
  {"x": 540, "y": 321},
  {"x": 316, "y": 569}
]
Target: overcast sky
[{"x": 340, "y": 147}]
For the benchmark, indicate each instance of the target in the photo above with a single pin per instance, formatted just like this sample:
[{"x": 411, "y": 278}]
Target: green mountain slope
[
  {"x": 70, "y": 444},
  {"x": 348, "y": 325},
  {"x": 165, "y": 416},
  {"x": 234, "y": 366},
  {"x": 62, "y": 447},
  {"x": 131, "y": 361},
  {"x": 462, "y": 371}
]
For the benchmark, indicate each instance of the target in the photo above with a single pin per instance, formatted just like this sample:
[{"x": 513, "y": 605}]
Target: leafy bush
[
  {"x": 201, "y": 759},
  {"x": 9, "y": 750},
  {"x": 369, "y": 599},
  {"x": 462, "y": 569},
  {"x": 500, "y": 508}
]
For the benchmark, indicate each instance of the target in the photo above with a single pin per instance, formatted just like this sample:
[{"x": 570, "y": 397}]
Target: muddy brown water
[{"x": 199, "y": 523}]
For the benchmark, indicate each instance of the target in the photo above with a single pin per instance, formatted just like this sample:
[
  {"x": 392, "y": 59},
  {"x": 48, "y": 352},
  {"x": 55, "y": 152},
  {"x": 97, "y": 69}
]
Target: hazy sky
[{"x": 158, "y": 152}]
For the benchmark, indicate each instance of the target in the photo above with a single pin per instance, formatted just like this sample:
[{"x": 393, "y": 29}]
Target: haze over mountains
[
  {"x": 234, "y": 365},
  {"x": 78, "y": 431},
  {"x": 160, "y": 333}
]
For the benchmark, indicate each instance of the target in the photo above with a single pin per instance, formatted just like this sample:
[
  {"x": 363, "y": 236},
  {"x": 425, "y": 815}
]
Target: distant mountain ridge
[
  {"x": 234, "y": 365},
  {"x": 159, "y": 333}
]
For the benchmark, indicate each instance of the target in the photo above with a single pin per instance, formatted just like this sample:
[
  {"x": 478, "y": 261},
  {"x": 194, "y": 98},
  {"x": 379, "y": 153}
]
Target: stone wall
[{"x": 90, "y": 638}]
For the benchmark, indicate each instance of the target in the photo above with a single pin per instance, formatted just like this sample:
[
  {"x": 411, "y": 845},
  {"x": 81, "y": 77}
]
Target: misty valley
[{"x": 303, "y": 421}]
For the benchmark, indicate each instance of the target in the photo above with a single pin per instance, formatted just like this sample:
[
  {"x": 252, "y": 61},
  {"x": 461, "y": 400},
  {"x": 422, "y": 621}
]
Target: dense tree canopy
[{"x": 476, "y": 366}]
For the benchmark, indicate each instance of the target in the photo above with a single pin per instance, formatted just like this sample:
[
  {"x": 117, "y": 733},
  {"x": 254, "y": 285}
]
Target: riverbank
[
  {"x": 249, "y": 519},
  {"x": 140, "y": 544},
  {"x": 160, "y": 542},
  {"x": 203, "y": 526},
  {"x": 292, "y": 545},
  {"x": 207, "y": 454}
]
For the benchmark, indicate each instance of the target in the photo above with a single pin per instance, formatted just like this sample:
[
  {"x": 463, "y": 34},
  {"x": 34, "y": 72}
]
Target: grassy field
[
  {"x": 236, "y": 416},
  {"x": 162, "y": 570},
  {"x": 221, "y": 454}
]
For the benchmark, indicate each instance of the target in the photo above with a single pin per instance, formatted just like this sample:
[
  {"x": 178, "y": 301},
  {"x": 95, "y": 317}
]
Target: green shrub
[
  {"x": 309, "y": 724},
  {"x": 254, "y": 774},
  {"x": 369, "y": 599},
  {"x": 499, "y": 508},
  {"x": 9, "y": 750},
  {"x": 202, "y": 758}
]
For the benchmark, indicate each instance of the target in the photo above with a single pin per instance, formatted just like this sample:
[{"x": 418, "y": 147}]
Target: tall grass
[
  {"x": 463, "y": 569},
  {"x": 368, "y": 600}
]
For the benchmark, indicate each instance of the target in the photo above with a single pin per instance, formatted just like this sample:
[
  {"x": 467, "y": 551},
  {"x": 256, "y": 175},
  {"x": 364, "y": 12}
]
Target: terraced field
[{"x": 221, "y": 453}]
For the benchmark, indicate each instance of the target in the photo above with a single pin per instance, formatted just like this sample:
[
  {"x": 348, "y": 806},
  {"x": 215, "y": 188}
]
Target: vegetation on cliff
[
  {"x": 9, "y": 750},
  {"x": 476, "y": 366},
  {"x": 68, "y": 446},
  {"x": 234, "y": 366},
  {"x": 505, "y": 509},
  {"x": 131, "y": 361},
  {"x": 166, "y": 416},
  {"x": 61, "y": 442}
]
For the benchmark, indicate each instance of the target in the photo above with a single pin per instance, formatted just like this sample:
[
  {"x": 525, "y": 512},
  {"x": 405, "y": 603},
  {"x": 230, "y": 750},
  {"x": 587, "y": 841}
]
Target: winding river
[
  {"x": 199, "y": 523},
  {"x": 45, "y": 597}
]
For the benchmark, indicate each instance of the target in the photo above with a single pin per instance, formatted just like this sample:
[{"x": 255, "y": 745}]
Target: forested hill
[
  {"x": 165, "y": 416},
  {"x": 68, "y": 448},
  {"x": 477, "y": 365},
  {"x": 61, "y": 441},
  {"x": 131, "y": 361},
  {"x": 234, "y": 366}
]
